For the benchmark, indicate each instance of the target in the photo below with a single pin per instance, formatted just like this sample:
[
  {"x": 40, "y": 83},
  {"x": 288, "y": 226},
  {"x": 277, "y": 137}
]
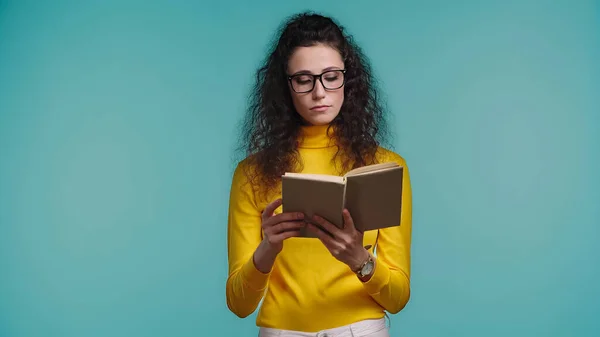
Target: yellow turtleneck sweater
[{"x": 308, "y": 289}]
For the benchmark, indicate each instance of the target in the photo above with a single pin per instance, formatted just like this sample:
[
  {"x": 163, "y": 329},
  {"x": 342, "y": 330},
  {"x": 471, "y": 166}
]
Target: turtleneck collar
[{"x": 315, "y": 136}]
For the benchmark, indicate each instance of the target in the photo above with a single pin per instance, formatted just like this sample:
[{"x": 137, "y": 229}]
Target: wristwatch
[{"x": 366, "y": 268}]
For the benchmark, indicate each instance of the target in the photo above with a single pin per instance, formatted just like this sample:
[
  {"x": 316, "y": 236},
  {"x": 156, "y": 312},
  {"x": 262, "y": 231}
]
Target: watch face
[{"x": 367, "y": 269}]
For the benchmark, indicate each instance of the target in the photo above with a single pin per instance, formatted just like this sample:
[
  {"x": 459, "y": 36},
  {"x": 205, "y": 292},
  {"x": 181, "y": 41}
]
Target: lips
[{"x": 320, "y": 108}]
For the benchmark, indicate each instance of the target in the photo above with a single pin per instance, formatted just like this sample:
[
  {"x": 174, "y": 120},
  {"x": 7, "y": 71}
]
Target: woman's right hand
[
  {"x": 276, "y": 228},
  {"x": 279, "y": 227}
]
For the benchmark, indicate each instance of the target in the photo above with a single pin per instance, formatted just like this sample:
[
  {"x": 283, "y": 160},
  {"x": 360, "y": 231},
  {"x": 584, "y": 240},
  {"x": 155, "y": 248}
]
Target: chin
[{"x": 320, "y": 119}]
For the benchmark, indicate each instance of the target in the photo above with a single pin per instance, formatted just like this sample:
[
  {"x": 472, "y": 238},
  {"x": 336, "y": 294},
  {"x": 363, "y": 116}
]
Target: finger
[
  {"x": 326, "y": 238},
  {"x": 348, "y": 221},
  {"x": 328, "y": 226},
  {"x": 268, "y": 211},
  {"x": 333, "y": 246},
  {"x": 286, "y": 226},
  {"x": 282, "y": 217},
  {"x": 286, "y": 235}
]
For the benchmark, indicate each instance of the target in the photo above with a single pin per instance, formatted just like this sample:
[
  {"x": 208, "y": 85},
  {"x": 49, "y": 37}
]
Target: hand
[
  {"x": 279, "y": 227},
  {"x": 346, "y": 244}
]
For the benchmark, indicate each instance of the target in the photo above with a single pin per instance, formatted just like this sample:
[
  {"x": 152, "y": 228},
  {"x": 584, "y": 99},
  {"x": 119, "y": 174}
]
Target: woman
[{"x": 314, "y": 110}]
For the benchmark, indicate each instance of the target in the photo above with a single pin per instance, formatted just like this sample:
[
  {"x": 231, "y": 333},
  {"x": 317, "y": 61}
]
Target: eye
[{"x": 303, "y": 79}]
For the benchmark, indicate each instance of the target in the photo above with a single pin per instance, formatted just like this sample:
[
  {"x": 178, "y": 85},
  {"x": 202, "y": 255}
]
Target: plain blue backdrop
[{"x": 117, "y": 126}]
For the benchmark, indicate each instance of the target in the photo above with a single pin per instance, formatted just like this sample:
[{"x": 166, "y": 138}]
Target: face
[{"x": 322, "y": 104}]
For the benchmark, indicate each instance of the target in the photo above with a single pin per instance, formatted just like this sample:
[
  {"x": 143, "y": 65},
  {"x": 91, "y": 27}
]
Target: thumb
[
  {"x": 268, "y": 211},
  {"x": 348, "y": 222}
]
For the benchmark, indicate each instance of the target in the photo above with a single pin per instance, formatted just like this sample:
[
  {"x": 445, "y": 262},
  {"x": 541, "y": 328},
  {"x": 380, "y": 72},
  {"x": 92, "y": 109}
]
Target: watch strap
[{"x": 362, "y": 266}]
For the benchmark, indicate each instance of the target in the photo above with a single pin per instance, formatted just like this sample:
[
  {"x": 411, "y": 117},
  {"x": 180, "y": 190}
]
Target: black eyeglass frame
[{"x": 319, "y": 76}]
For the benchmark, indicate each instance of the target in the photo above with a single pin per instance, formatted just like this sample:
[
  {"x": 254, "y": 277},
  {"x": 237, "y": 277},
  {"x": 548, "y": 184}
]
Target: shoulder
[
  {"x": 246, "y": 180},
  {"x": 246, "y": 164},
  {"x": 386, "y": 155},
  {"x": 243, "y": 163},
  {"x": 243, "y": 170}
]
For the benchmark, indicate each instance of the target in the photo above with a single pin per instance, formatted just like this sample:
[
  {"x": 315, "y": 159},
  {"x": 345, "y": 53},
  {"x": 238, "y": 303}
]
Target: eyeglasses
[{"x": 331, "y": 80}]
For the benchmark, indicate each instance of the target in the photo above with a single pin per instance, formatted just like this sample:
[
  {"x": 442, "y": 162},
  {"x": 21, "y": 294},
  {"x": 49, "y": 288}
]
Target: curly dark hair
[{"x": 272, "y": 125}]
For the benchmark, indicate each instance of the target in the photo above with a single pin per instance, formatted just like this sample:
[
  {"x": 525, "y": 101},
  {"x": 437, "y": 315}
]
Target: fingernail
[{"x": 300, "y": 215}]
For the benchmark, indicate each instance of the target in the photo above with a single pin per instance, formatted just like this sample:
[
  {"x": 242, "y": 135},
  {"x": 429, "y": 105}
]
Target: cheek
[
  {"x": 339, "y": 98},
  {"x": 301, "y": 102}
]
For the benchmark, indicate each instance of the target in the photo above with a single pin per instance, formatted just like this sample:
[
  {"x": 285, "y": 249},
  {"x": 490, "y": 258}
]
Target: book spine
[{"x": 344, "y": 195}]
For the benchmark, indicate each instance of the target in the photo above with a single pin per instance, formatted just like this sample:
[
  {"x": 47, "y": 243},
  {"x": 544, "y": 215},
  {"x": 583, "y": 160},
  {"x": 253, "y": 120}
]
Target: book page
[
  {"x": 316, "y": 177},
  {"x": 371, "y": 168},
  {"x": 373, "y": 171}
]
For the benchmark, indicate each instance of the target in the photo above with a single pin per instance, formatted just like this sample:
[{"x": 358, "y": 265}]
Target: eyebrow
[{"x": 303, "y": 72}]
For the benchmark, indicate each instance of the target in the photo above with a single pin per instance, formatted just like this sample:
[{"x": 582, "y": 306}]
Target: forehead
[{"x": 314, "y": 59}]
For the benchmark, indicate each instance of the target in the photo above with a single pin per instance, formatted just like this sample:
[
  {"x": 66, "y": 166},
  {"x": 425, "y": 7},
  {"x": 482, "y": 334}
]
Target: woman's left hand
[{"x": 346, "y": 244}]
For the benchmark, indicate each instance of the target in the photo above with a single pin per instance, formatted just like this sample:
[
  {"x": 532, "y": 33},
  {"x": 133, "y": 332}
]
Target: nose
[{"x": 318, "y": 91}]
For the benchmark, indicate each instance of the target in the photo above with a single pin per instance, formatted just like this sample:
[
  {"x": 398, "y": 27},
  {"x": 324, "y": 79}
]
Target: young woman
[{"x": 314, "y": 110}]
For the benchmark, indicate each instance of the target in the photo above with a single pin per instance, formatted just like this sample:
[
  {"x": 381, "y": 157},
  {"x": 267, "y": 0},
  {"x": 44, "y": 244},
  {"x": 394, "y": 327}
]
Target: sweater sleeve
[
  {"x": 390, "y": 283},
  {"x": 245, "y": 284}
]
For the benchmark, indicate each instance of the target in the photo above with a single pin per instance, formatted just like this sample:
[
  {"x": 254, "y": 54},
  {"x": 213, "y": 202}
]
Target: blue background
[{"x": 118, "y": 121}]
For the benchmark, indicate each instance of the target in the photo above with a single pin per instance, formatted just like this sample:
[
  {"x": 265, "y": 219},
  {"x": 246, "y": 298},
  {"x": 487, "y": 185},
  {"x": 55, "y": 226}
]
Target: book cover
[{"x": 372, "y": 194}]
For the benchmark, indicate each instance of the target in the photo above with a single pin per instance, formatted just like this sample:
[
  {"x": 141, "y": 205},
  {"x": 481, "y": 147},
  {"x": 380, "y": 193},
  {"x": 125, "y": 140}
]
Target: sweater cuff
[
  {"x": 254, "y": 278},
  {"x": 381, "y": 277}
]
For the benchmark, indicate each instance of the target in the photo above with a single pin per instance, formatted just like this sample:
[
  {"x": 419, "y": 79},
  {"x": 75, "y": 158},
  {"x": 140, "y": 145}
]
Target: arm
[
  {"x": 389, "y": 284},
  {"x": 251, "y": 257},
  {"x": 246, "y": 283}
]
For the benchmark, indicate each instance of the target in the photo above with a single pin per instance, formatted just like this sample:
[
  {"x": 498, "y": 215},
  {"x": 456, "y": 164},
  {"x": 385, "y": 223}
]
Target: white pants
[{"x": 366, "y": 328}]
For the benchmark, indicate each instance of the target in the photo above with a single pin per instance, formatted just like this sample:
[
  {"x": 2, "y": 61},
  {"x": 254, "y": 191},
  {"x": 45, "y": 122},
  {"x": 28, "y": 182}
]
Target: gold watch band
[{"x": 362, "y": 265}]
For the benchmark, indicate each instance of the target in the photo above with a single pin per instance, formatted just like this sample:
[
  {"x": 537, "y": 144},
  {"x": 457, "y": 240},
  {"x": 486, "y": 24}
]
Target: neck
[{"x": 316, "y": 136}]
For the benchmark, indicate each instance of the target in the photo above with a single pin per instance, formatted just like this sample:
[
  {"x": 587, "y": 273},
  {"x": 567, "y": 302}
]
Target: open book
[{"x": 372, "y": 194}]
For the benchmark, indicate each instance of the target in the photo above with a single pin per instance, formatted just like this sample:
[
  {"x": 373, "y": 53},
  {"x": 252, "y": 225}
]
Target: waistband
[{"x": 360, "y": 328}]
